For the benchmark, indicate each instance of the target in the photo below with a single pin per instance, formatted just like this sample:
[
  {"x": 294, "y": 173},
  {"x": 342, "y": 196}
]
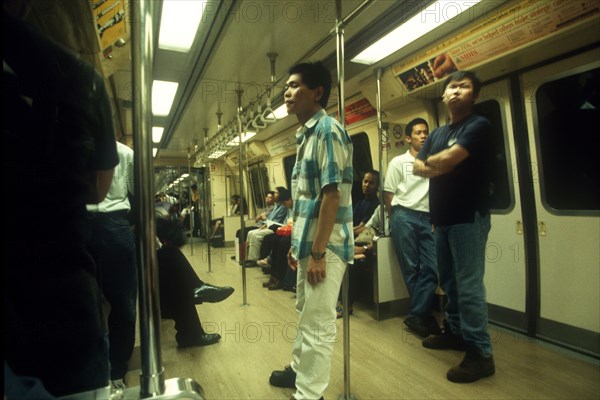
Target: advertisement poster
[{"x": 513, "y": 28}]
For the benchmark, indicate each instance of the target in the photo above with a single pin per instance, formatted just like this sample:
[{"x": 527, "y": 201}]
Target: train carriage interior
[{"x": 201, "y": 103}]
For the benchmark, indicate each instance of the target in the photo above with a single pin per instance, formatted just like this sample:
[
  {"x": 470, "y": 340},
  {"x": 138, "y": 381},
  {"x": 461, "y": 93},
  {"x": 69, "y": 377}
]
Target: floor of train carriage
[{"x": 386, "y": 361}]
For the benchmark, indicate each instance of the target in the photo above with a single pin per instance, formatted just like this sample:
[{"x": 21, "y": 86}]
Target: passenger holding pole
[{"x": 406, "y": 198}]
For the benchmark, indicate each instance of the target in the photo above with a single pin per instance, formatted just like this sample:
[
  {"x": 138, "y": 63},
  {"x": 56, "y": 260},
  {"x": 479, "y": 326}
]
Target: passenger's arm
[
  {"x": 330, "y": 203},
  {"x": 100, "y": 185},
  {"x": 441, "y": 163},
  {"x": 387, "y": 201}
]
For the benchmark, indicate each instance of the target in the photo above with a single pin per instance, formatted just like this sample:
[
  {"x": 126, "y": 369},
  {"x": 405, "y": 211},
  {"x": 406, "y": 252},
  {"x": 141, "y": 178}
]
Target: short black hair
[
  {"x": 460, "y": 75},
  {"x": 314, "y": 75},
  {"x": 374, "y": 173},
  {"x": 284, "y": 194},
  {"x": 411, "y": 124}
]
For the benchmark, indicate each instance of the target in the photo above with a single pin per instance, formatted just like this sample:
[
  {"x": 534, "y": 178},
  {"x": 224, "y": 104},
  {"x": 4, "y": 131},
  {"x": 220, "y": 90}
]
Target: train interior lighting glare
[
  {"x": 245, "y": 136},
  {"x": 179, "y": 23},
  {"x": 280, "y": 112},
  {"x": 163, "y": 94},
  {"x": 217, "y": 153},
  {"x": 157, "y": 132},
  {"x": 183, "y": 176},
  {"x": 154, "y": 151},
  {"x": 429, "y": 18}
]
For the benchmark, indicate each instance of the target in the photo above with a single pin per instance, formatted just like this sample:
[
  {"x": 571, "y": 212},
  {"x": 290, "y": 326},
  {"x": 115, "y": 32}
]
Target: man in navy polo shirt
[{"x": 458, "y": 160}]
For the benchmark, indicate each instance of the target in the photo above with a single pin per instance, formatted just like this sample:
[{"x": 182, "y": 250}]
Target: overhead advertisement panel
[{"x": 507, "y": 30}]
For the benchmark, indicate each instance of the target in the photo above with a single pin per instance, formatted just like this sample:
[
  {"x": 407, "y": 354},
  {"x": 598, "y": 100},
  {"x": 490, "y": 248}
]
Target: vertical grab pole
[
  {"x": 241, "y": 171},
  {"x": 190, "y": 214},
  {"x": 339, "y": 30},
  {"x": 206, "y": 186},
  {"x": 379, "y": 73},
  {"x": 152, "y": 381}
]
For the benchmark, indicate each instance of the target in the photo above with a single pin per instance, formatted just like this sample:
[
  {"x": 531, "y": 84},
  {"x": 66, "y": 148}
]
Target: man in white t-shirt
[{"x": 406, "y": 197}]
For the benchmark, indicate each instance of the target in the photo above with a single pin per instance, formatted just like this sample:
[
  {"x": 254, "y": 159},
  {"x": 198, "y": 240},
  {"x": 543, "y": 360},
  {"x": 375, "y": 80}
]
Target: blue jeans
[
  {"x": 113, "y": 248},
  {"x": 415, "y": 249},
  {"x": 461, "y": 260}
]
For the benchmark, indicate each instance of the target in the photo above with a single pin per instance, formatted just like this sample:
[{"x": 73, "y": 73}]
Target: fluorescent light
[
  {"x": 245, "y": 136},
  {"x": 157, "y": 133},
  {"x": 280, "y": 112},
  {"x": 183, "y": 176},
  {"x": 154, "y": 151},
  {"x": 217, "y": 153},
  {"x": 163, "y": 94},
  {"x": 425, "y": 21},
  {"x": 179, "y": 23}
]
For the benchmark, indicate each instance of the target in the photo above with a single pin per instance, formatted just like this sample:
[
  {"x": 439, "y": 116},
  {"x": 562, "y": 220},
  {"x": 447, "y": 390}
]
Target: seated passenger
[
  {"x": 362, "y": 212},
  {"x": 181, "y": 288},
  {"x": 235, "y": 201},
  {"x": 278, "y": 217}
]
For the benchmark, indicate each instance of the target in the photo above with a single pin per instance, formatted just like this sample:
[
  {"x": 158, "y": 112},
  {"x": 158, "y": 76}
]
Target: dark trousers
[
  {"x": 279, "y": 264},
  {"x": 112, "y": 246},
  {"x": 177, "y": 281}
]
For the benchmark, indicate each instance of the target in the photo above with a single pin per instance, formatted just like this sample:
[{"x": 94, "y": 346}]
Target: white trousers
[
  {"x": 255, "y": 239},
  {"x": 313, "y": 348}
]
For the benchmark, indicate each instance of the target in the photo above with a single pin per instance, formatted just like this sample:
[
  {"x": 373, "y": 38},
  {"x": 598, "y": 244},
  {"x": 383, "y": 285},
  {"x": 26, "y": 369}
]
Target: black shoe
[
  {"x": 233, "y": 257},
  {"x": 266, "y": 270},
  {"x": 417, "y": 325},
  {"x": 211, "y": 294},
  {"x": 472, "y": 368},
  {"x": 250, "y": 263},
  {"x": 432, "y": 325},
  {"x": 205, "y": 339},
  {"x": 446, "y": 341},
  {"x": 285, "y": 378},
  {"x": 277, "y": 285},
  {"x": 268, "y": 283},
  {"x": 289, "y": 289}
]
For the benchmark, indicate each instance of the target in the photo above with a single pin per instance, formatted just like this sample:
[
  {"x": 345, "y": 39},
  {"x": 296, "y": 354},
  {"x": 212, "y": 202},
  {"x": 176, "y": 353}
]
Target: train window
[
  {"x": 288, "y": 167},
  {"x": 568, "y": 116},
  {"x": 259, "y": 183},
  {"x": 501, "y": 189},
  {"x": 361, "y": 163}
]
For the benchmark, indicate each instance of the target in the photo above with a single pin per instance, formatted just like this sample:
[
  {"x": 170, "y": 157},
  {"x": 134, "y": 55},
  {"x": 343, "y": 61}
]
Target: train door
[{"x": 561, "y": 102}]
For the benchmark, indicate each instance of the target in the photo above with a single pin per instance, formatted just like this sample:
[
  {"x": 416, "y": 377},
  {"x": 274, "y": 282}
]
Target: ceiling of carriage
[{"x": 234, "y": 52}]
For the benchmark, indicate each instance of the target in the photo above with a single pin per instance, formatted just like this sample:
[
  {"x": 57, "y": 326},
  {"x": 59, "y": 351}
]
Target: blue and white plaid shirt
[{"x": 323, "y": 157}]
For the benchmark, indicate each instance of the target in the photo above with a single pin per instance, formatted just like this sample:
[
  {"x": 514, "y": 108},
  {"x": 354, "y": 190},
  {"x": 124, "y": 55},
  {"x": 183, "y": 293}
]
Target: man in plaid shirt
[{"x": 322, "y": 237}]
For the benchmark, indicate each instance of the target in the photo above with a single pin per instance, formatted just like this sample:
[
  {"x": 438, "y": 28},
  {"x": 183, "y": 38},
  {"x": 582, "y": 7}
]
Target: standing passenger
[
  {"x": 406, "y": 198},
  {"x": 112, "y": 246},
  {"x": 322, "y": 239},
  {"x": 56, "y": 107},
  {"x": 457, "y": 157}
]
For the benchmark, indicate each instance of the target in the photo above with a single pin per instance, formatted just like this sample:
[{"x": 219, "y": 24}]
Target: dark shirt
[
  {"x": 363, "y": 210},
  {"x": 455, "y": 197}
]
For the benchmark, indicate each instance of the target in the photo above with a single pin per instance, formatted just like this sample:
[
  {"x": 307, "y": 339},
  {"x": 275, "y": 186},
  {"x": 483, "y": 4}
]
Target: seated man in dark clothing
[
  {"x": 181, "y": 288},
  {"x": 362, "y": 212}
]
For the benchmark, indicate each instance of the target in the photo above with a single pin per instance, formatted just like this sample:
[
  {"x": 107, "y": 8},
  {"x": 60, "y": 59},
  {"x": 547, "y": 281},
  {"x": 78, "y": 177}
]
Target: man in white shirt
[{"x": 406, "y": 198}]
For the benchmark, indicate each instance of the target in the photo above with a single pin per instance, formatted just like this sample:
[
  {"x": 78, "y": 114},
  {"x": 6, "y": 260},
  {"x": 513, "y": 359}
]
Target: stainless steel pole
[
  {"x": 339, "y": 30},
  {"x": 241, "y": 172},
  {"x": 379, "y": 73},
  {"x": 142, "y": 38}
]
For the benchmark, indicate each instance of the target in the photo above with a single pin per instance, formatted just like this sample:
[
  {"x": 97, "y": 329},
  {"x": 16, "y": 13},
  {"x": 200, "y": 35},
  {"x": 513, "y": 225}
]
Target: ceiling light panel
[
  {"x": 163, "y": 94},
  {"x": 179, "y": 23},
  {"x": 432, "y": 16}
]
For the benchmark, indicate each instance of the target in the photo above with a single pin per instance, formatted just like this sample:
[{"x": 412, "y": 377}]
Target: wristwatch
[
  {"x": 317, "y": 256},
  {"x": 366, "y": 247}
]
